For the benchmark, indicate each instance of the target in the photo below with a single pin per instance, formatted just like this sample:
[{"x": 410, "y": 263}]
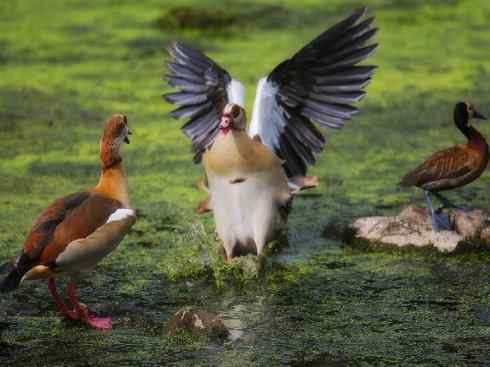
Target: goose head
[
  {"x": 116, "y": 132},
  {"x": 233, "y": 118}
]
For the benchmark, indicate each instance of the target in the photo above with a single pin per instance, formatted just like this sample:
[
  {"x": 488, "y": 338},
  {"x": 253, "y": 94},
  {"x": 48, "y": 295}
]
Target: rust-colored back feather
[
  {"x": 79, "y": 223},
  {"x": 450, "y": 163},
  {"x": 45, "y": 225},
  {"x": 69, "y": 218}
]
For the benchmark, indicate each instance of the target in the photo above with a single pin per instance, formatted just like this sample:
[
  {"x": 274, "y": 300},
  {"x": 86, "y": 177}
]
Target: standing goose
[
  {"x": 453, "y": 167},
  {"x": 252, "y": 176},
  {"x": 77, "y": 231}
]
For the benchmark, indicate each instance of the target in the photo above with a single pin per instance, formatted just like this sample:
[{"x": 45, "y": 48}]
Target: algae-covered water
[{"x": 66, "y": 65}]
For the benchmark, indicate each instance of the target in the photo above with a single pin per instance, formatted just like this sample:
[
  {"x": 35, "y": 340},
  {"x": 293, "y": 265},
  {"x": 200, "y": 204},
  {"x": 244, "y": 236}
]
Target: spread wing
[
  {"x": 204, "y": 88},
  {"x": 450, "y": 163},
  {"x": 317, "y": 86}
]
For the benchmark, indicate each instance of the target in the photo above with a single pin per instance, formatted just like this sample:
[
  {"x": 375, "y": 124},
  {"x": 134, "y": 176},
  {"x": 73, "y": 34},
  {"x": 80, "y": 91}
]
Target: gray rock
[
  {"x": 413, "y": 227},
  {"x": 198, "y": 322}
]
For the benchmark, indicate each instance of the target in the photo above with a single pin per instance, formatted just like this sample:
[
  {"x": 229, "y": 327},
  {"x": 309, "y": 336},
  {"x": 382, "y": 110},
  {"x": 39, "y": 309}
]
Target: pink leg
[
  {"x": 60, "y": 305},
  {"x": 99, "y": 323}
]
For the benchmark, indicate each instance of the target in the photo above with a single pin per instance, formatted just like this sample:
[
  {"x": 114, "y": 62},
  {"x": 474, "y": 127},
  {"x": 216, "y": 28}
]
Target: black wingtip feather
[
  {"x": 338, "y": 29},
  {"x": 320, "y": 84},
  {"x": 11, "y": 281},
  {"x": 201, "y": 94},
  {"x": 352, "y": 58}
]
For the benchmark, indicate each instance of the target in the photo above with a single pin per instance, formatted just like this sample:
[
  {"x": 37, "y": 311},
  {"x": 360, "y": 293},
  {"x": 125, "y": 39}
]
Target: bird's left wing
[
  {"x": 204, "y": 88},
  {"x": 318, "y": 85}
]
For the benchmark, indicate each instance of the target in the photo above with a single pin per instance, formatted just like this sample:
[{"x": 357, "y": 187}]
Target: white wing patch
[
  {"x": 236, "y": 93},
  {"x": 121, "y": 214},
  {"x": 293, "y": 187},
  {"x": 263, "y": 113}
]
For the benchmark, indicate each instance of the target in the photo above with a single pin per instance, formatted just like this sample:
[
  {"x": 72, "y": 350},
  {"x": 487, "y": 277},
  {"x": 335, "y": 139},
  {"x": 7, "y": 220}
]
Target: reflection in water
[{"x": 240, "y": 318}]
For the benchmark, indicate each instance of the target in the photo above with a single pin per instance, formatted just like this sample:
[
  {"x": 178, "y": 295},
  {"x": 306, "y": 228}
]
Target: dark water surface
[{"x": 319, "y": 304}]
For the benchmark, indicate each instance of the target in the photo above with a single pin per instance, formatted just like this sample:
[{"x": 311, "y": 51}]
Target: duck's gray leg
[
  {"x": 440, "y": 221},
  {"x": 447, "y": 204}
]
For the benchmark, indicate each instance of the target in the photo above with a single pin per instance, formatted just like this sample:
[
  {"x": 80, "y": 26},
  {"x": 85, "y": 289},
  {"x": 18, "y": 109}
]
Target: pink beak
[{"x": 226, "y": 123}]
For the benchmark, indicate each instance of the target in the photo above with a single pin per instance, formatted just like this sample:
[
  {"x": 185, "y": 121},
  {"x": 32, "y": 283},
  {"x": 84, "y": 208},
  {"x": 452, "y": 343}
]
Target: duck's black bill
[
  {"x": 126, "y": 139},
  {"x": 478, "y": 115}
]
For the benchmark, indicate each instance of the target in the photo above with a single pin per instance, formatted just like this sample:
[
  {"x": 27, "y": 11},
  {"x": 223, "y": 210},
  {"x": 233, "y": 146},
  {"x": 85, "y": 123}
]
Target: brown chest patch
[{"x": 235, "y": 153}]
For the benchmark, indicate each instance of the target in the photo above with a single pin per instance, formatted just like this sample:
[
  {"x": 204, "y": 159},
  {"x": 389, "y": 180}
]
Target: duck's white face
[{"x": 233, "y": 117}]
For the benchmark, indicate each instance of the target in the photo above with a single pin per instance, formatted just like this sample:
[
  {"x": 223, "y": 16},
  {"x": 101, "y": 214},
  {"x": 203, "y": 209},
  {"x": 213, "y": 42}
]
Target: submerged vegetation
[{"x": 66, "y": 66}]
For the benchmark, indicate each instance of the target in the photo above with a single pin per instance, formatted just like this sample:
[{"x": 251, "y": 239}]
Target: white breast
[{"x": 246, "y": 213}]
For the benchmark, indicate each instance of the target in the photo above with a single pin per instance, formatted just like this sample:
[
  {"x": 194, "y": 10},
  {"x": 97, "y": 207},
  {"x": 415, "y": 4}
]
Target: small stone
[{"x": 198, "y": 322}]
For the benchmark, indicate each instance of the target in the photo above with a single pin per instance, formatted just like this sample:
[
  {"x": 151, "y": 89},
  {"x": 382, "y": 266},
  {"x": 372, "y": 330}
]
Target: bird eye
[{"x": 235, "y": 112}]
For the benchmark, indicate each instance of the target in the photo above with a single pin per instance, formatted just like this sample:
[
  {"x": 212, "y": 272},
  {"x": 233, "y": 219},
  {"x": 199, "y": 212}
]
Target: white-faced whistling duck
[{"x": 453, "y": 167}]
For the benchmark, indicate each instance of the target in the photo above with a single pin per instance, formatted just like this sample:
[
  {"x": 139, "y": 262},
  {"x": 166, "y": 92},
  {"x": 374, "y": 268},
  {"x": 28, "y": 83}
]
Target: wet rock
[
  {"x": 412, "y": 227},
  {"x": 198, "y": 322}
]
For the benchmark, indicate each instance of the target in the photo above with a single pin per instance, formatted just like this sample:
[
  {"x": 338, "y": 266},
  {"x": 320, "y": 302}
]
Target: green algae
[{"x": 314, "y": 302}]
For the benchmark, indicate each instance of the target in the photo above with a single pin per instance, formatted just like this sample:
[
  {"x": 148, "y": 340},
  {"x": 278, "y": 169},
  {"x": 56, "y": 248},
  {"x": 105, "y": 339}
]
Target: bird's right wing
[{"x": 204, "y": 88}]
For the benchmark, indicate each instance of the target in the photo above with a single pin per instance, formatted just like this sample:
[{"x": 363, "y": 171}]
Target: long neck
[
  {"x": 238, "y": 142},
  {"x": 475, "y": 139},
  {"x": 112, "y": 182}
]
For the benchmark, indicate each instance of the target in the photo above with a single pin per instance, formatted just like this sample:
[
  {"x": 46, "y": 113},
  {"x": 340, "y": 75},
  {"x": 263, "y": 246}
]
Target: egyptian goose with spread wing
[
  {"x": 77, "y": 231},
  {"x": 453, "y": 167},
  {"x": 252, "y": 176}
]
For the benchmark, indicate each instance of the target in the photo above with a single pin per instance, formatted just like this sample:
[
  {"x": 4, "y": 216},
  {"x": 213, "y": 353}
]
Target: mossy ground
[{"x": 67, "y": 65}]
